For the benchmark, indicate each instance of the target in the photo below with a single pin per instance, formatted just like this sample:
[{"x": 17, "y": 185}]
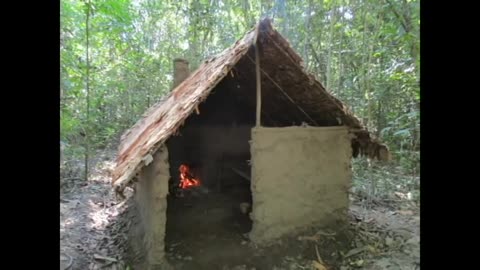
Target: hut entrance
[{"x": 210, "y": 196}]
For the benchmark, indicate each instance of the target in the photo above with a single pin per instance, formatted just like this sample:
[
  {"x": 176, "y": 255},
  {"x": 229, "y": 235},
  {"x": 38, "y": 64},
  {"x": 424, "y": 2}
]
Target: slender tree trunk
[
  {"x": 371, "y": 49},
  {"x": 283, "y": 11},
  {"x": 364, "y": 68},
  {"x": 192, "y": 36},
  {"x": 321, "y": 60},
  {"x": 307, "y": 35},
  {"x": 330, "y": 48},
  {"x": 380, "y": 121},
  {"x": 340, "y": 54},
  {"x": 249, "y": 20},
  {"x": 87, "y": 124}
]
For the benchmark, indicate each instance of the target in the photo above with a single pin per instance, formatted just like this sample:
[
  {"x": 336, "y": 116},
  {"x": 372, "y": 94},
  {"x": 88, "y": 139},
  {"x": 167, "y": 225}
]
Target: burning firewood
[{"x": 186, "y": 178}]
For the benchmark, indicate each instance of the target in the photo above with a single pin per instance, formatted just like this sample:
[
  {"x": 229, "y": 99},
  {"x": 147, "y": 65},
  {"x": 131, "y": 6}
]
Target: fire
[{"x": 186, "y": 178}]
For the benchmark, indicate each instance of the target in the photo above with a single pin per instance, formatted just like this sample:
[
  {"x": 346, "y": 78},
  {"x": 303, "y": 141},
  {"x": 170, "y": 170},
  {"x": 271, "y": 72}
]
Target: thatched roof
[{"x": 293, "y": 95}]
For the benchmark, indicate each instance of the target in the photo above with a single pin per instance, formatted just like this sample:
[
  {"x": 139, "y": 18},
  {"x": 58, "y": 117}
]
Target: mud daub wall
[
  {"x": 300, "y": 177},
  {"x": 150, "y": 198}
]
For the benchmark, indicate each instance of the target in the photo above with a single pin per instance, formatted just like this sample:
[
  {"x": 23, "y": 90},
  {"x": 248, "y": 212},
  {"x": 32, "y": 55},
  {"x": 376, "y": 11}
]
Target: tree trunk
[
  {"x": 87, "y": 122},
  {"x": 330, "y": 47}
]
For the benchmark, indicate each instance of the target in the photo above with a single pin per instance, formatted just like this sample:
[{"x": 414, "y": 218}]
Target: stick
[
  {"x": 69, "y": 263},
  {"x": 259, "y": 85},
  {"x": 241, "y": 174},
  {"x": 285, "y": 93},
  {"x": 104, "y": 258},
  {"x": 318, "y": 255}
]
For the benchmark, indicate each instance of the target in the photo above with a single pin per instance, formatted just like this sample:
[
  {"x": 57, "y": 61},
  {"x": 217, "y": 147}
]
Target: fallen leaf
[
  {"x": 413, "y": 241},
  {"x": 359, "y": 263},
  {"x": 388, "y": 241},
  {"x": 355, "y": 251},
  {"x": 371, "y": 249},
  {"x": 405, "y": 212},
  {"x": 400, "y": 195},
  {"x": 309, "y": 238},
  {"x": 104, "y": 258},
  {"x": 319, "y": 266}
]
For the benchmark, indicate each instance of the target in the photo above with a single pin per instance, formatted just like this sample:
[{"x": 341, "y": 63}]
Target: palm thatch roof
[{"x": 289, "y": 95}]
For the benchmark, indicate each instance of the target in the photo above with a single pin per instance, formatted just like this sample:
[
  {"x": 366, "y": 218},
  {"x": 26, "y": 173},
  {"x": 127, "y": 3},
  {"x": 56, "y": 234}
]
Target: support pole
[{"x": 259, "y": 85}]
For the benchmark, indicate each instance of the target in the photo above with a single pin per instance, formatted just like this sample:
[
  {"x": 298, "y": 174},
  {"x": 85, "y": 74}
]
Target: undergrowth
[{"x": 398, "y": 179}]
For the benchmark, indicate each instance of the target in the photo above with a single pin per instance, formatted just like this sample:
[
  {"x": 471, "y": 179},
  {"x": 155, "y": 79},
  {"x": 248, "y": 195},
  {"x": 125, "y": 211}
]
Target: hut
[{"x": 249, "y": 128}]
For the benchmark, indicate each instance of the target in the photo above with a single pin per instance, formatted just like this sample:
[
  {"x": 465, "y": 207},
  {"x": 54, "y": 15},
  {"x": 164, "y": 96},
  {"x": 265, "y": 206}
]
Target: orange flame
[{"x": 186, "y": 178}]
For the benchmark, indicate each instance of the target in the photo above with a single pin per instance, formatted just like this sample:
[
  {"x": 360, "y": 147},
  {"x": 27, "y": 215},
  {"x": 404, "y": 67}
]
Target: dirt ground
[{"x": 93, "y": 226}]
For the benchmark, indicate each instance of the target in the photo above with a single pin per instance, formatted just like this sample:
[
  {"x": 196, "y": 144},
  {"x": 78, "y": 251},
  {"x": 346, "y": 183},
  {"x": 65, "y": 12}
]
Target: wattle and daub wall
[
  {"x": 148, "y": 234},
  {"x": 300, "y": 178}
]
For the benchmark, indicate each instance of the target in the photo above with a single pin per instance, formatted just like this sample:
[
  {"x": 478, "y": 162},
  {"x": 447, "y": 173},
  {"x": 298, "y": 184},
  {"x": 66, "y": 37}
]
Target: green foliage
[
  {"x": 382, "y": 181},
  {"x": 402, "y": 131}
]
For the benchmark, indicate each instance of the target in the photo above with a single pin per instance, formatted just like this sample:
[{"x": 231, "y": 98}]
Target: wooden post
[{"x": 259, "y": 85}]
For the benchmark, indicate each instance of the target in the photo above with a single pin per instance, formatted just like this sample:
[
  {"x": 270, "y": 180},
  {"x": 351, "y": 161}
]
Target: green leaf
[{"x": 403, "y": 132}]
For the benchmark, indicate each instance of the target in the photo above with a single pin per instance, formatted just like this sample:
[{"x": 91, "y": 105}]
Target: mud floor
[{"x": 206, "y": 231}]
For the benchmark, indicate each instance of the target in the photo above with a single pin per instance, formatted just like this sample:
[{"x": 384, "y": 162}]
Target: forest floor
[{"x": 382, "y": 235}]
